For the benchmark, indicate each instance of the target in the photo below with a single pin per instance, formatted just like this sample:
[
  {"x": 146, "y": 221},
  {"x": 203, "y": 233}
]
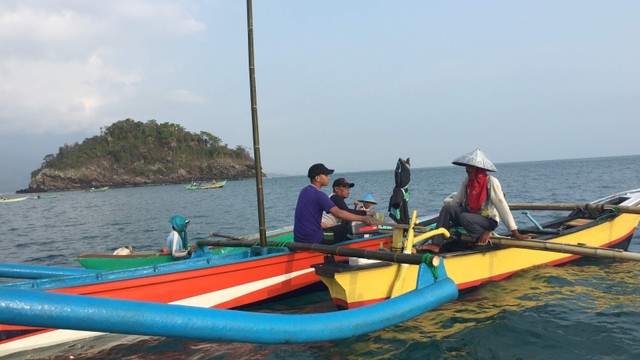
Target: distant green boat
[
  {"x": 200, "y": 186},
  {"x": 52, "y": 196},
  {"x": 98, "y": 189}
]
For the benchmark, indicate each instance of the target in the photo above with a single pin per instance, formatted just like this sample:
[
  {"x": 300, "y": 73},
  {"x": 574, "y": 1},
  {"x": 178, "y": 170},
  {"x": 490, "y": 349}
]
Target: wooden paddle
[
  {"x": 328, "y": 249},
  {"x": 595, "y": 207}
]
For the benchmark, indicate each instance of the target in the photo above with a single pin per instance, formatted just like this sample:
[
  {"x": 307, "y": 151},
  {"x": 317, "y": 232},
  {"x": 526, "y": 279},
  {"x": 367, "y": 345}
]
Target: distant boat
[
  {"x": 98, "y": 189},
  {"x": 199, "y": 186},
  {"x": 52, "y": 196},
  {"x": 8, "y": 200},
  {"x": 41, "y": 197}
]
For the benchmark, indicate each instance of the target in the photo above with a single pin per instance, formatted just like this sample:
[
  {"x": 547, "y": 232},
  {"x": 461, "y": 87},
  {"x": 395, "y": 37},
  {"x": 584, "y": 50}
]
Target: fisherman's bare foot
[
  {"x": 517, "y": 235},
  {"x": 484, "y": 238},
  {"x": 432, "y": 248}
]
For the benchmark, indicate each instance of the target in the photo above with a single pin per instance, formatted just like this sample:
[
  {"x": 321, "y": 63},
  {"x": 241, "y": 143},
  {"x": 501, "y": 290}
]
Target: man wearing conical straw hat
[{"x": 478, "y": 206}]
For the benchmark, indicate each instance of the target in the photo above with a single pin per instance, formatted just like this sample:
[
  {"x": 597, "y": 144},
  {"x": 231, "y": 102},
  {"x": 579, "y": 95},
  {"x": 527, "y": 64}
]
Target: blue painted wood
[
  {"x": 52, "y": 310},
  {"x": 20, "y": 271},
  {"x": 87, "y": 276}
]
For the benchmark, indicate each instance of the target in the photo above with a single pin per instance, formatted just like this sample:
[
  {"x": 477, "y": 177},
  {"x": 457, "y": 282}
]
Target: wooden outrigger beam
[
  {"x": 330, "y": 249},
  {"x": 568, "y": 207},
  {"x": 592, "y": 251}
]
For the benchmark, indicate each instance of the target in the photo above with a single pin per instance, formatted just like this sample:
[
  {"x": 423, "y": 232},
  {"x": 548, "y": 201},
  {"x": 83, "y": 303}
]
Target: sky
[{"x": 352, "y": 84}]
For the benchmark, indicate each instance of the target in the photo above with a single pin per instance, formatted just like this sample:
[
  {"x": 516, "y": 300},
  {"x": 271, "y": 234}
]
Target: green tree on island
[{"x": 144, "y": 148}]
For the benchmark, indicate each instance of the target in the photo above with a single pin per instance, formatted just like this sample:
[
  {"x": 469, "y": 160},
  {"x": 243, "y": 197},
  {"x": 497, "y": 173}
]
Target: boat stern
[{"x": 355, "y": 283}]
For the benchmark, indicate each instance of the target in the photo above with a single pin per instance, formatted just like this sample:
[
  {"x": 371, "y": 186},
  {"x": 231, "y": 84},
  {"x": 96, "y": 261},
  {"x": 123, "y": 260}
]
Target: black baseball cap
[
  {"x": 343, "y": 182},
  {"x": 318, "y": 169}
]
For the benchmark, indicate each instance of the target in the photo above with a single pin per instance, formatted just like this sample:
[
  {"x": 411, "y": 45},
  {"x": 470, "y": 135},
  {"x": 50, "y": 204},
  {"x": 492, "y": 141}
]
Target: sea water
[{"x": 589, "y": 309}]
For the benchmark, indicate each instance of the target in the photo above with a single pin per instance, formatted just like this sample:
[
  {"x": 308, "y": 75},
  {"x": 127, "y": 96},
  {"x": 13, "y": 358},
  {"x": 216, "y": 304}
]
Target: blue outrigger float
[{"x": 95, "y": 314}]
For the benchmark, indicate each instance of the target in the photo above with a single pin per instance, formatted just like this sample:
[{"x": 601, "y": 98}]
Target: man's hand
[{"x": 367, "y": 220}]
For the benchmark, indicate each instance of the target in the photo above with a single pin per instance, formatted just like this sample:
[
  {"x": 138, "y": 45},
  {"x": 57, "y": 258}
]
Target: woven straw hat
[
  {"x": 475, "y": 158},
  {"x": 368, "y": 198}
]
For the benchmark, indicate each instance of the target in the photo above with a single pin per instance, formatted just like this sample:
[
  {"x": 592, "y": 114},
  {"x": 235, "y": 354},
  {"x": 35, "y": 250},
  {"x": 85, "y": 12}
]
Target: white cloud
[
  {"x": 58, "y": 96},
  {"x": 167, "y": 18},
  {"x": 41, "y": 25},
  {"x": 182, "y": 96},
  {"x": 65, "y": 65}
]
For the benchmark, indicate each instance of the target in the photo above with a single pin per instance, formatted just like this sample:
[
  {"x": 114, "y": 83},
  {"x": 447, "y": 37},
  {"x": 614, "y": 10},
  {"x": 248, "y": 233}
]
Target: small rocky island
[{"x": 134, "y": 153}]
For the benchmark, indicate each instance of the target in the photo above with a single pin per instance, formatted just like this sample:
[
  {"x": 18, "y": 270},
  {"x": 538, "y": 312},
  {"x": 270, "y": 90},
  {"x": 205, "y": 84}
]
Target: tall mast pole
[{"x": 256, "y": 136}]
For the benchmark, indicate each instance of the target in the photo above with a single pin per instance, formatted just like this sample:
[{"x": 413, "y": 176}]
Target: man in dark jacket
[{"x": 341, "y": 228}]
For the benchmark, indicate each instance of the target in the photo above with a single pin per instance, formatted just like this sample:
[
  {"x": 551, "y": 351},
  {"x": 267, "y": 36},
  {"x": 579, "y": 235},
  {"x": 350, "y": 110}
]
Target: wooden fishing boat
[
  {"x": 109, "y": 261},
  {"x": 212, "y": 185},
  {"x": 222, "y": 281},
  {"x": 590, "y": 227},
  {"x": 44, "y": 309},
  {"x": 12, "y": 200}
]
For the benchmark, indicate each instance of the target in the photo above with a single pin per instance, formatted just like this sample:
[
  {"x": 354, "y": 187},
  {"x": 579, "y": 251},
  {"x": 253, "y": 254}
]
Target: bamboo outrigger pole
[
  {"x": 402, "y": 258},
  {"x": 254, "y": 121},
  {"x": 592, "y": 251},
  {"x": 561, "y": 207}
]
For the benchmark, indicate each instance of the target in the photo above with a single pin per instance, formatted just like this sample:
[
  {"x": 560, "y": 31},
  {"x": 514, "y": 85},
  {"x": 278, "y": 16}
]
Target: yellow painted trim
[{"x": 469, "y": 269}]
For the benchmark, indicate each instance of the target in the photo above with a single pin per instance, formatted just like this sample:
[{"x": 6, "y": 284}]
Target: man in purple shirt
[{"x": 312, "y": 202}]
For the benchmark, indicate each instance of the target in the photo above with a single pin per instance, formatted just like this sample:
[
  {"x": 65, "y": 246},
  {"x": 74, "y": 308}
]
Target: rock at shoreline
[{"x": 106, "y": 174}]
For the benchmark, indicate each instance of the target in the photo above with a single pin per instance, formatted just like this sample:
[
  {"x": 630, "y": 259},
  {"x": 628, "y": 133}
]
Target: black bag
[{"x": 398, "y": 207}]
